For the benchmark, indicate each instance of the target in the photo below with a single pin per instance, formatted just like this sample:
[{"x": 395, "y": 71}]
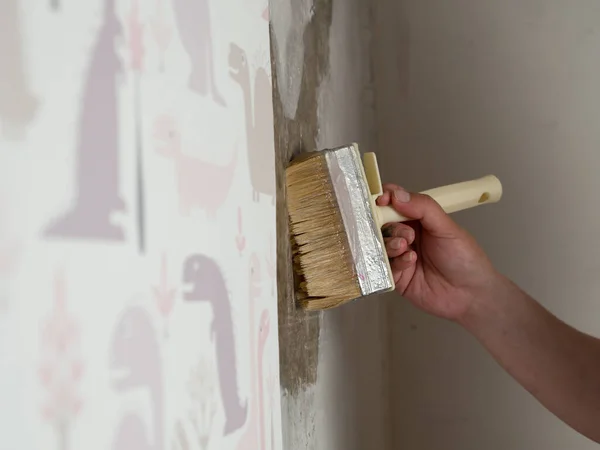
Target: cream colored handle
[{"x": 452, "y": 198}]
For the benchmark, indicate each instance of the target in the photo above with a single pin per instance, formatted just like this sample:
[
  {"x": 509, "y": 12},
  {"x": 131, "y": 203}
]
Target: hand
[{"x": 436, "y": 264}]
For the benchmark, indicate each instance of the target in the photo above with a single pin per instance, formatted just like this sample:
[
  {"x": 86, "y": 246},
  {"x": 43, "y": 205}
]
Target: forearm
[{"x": 557, "y": 364}]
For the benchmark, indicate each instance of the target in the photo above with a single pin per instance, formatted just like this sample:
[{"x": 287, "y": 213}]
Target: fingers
[
  {"x": 424, "y": 209},
  {"x": 398, "y": 237},
  {"x": 385, "y": 198},
  {"x": 418, "y": 207},
  {"x": 395, "y": 246},
  {"x": 403, "y": 263},
  {"x": 395, "y": 230}
]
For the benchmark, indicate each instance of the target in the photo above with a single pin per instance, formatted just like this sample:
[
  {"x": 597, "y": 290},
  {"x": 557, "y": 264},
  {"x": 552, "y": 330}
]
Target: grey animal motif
[
  {"x": 131, "y": 434},
  {"x": 259, "y": 124},
  {"x": 17, "y": 103},
  {"x": 193, "y": 22},
  {"x": 97, "y": 177},
  {"x": 136, "y": 363},
  {"x": 207, "y": 284}
]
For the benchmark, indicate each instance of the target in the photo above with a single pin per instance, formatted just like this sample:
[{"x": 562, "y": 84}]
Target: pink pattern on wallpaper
[
  {"x": 136, "y": 36},
  {"x": 162, "y": 32},
  {"x": 17, "y": 103},
  {"x": 206, "y": 283},
  {"x": 136, "y": 364},
  {"x": 201, "y": 184},
  {"x": 194, "y": 25},
  {"x": 61, "y": 368},
  {"x": 240, "y": 239},
  {"x": 259, "y": 123},
  {"x": 97, "y": 172},
  {"x": 164, "y": 293}
]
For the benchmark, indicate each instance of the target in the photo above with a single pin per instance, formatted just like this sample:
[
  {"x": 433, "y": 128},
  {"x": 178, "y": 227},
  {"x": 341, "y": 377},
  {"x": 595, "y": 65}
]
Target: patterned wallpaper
[{"x": 137, "y": 226}]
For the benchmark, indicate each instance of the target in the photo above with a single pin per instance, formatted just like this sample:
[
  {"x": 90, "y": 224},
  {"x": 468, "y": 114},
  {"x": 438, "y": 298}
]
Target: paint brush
[{"x": 338, "y": 247}]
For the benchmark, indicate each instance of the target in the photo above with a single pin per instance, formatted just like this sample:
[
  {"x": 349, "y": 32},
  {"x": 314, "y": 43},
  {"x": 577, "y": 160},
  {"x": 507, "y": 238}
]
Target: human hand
[{"x": 436, "y": 264}]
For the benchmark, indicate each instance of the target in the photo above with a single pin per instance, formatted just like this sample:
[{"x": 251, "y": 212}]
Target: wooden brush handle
[{"x": 452, "y": 198}]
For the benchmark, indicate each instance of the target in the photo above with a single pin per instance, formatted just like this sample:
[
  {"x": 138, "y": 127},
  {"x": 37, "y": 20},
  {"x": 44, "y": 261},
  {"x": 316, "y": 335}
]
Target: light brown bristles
[
  {"x": 322, "y": 255},
  {"x": 339, "y": 252}
]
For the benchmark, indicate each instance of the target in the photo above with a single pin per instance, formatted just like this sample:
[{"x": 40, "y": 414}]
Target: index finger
[{"x": 385, "y": 198}]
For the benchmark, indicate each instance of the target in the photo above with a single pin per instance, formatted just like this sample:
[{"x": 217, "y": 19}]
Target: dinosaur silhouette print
[
  {"x": 194, "y": 26},
  {"x": 206, "y": 283},
  {"x": 97, "y": 177},
  {"x": 200, "y": 184},
  {"x": 132, "y": 433},
  {"x": 259, "y": 124},
  {"x": 17, "y": 103},
  {"x": 136, "y": 364}
]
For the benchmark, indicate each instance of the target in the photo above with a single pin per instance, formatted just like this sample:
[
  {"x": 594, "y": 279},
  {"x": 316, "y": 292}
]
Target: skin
[{"x": 439, "y": 267}]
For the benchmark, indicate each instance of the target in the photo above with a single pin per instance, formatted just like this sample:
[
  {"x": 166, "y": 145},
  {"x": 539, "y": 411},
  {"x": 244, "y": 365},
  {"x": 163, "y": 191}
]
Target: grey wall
[{"x": 510, "y": 87}]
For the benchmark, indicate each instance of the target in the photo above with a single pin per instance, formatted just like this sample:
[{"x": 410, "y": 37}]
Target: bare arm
[
  {"x": 440, "y": 268},
  {"x": 557, "y": 364}
]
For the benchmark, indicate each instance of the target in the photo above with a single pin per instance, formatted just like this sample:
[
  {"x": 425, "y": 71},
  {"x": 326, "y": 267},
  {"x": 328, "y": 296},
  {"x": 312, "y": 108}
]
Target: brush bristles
[{"x": 322, "y": 256}]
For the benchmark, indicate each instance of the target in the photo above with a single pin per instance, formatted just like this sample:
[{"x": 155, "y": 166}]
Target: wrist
[{"x": 486, "y": 302}]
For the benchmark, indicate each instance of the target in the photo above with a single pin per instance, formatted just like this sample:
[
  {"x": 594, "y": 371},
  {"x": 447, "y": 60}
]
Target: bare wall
[{"x": 508, "y": 87}]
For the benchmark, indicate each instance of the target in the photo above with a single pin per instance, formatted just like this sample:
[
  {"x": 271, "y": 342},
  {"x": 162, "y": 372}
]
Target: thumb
[{"x": 425, "y": 209}]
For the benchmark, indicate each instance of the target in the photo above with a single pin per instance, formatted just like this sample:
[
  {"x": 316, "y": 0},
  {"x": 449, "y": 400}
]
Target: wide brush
[{"x": 339, "y": 251}]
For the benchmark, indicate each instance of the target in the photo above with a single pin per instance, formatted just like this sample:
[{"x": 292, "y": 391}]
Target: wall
[
  {"x": 333, "y": 364},
  {"x": 137, "y": 226},
  {"x": 352, "y": 405},
  {"x": 507, "y": 87}
]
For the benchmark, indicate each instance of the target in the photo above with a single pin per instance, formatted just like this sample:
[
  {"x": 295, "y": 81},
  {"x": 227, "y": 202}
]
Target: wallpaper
[{"x": 137, "y": 226}]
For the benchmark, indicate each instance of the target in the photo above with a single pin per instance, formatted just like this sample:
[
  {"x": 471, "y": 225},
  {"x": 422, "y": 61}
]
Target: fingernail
[
  {"x": 408, "y": 256},
  {"x": 402, "y": 196},
  {"x": 396, "y": 243}
]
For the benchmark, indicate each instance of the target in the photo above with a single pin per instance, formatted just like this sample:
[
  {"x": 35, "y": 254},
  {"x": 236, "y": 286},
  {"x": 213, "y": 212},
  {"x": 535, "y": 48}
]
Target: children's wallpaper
[{"x": 137, "y": 226}]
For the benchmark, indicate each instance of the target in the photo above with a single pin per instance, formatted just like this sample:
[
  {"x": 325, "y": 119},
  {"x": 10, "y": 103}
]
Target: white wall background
[{"x": 511, "y": 87}]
